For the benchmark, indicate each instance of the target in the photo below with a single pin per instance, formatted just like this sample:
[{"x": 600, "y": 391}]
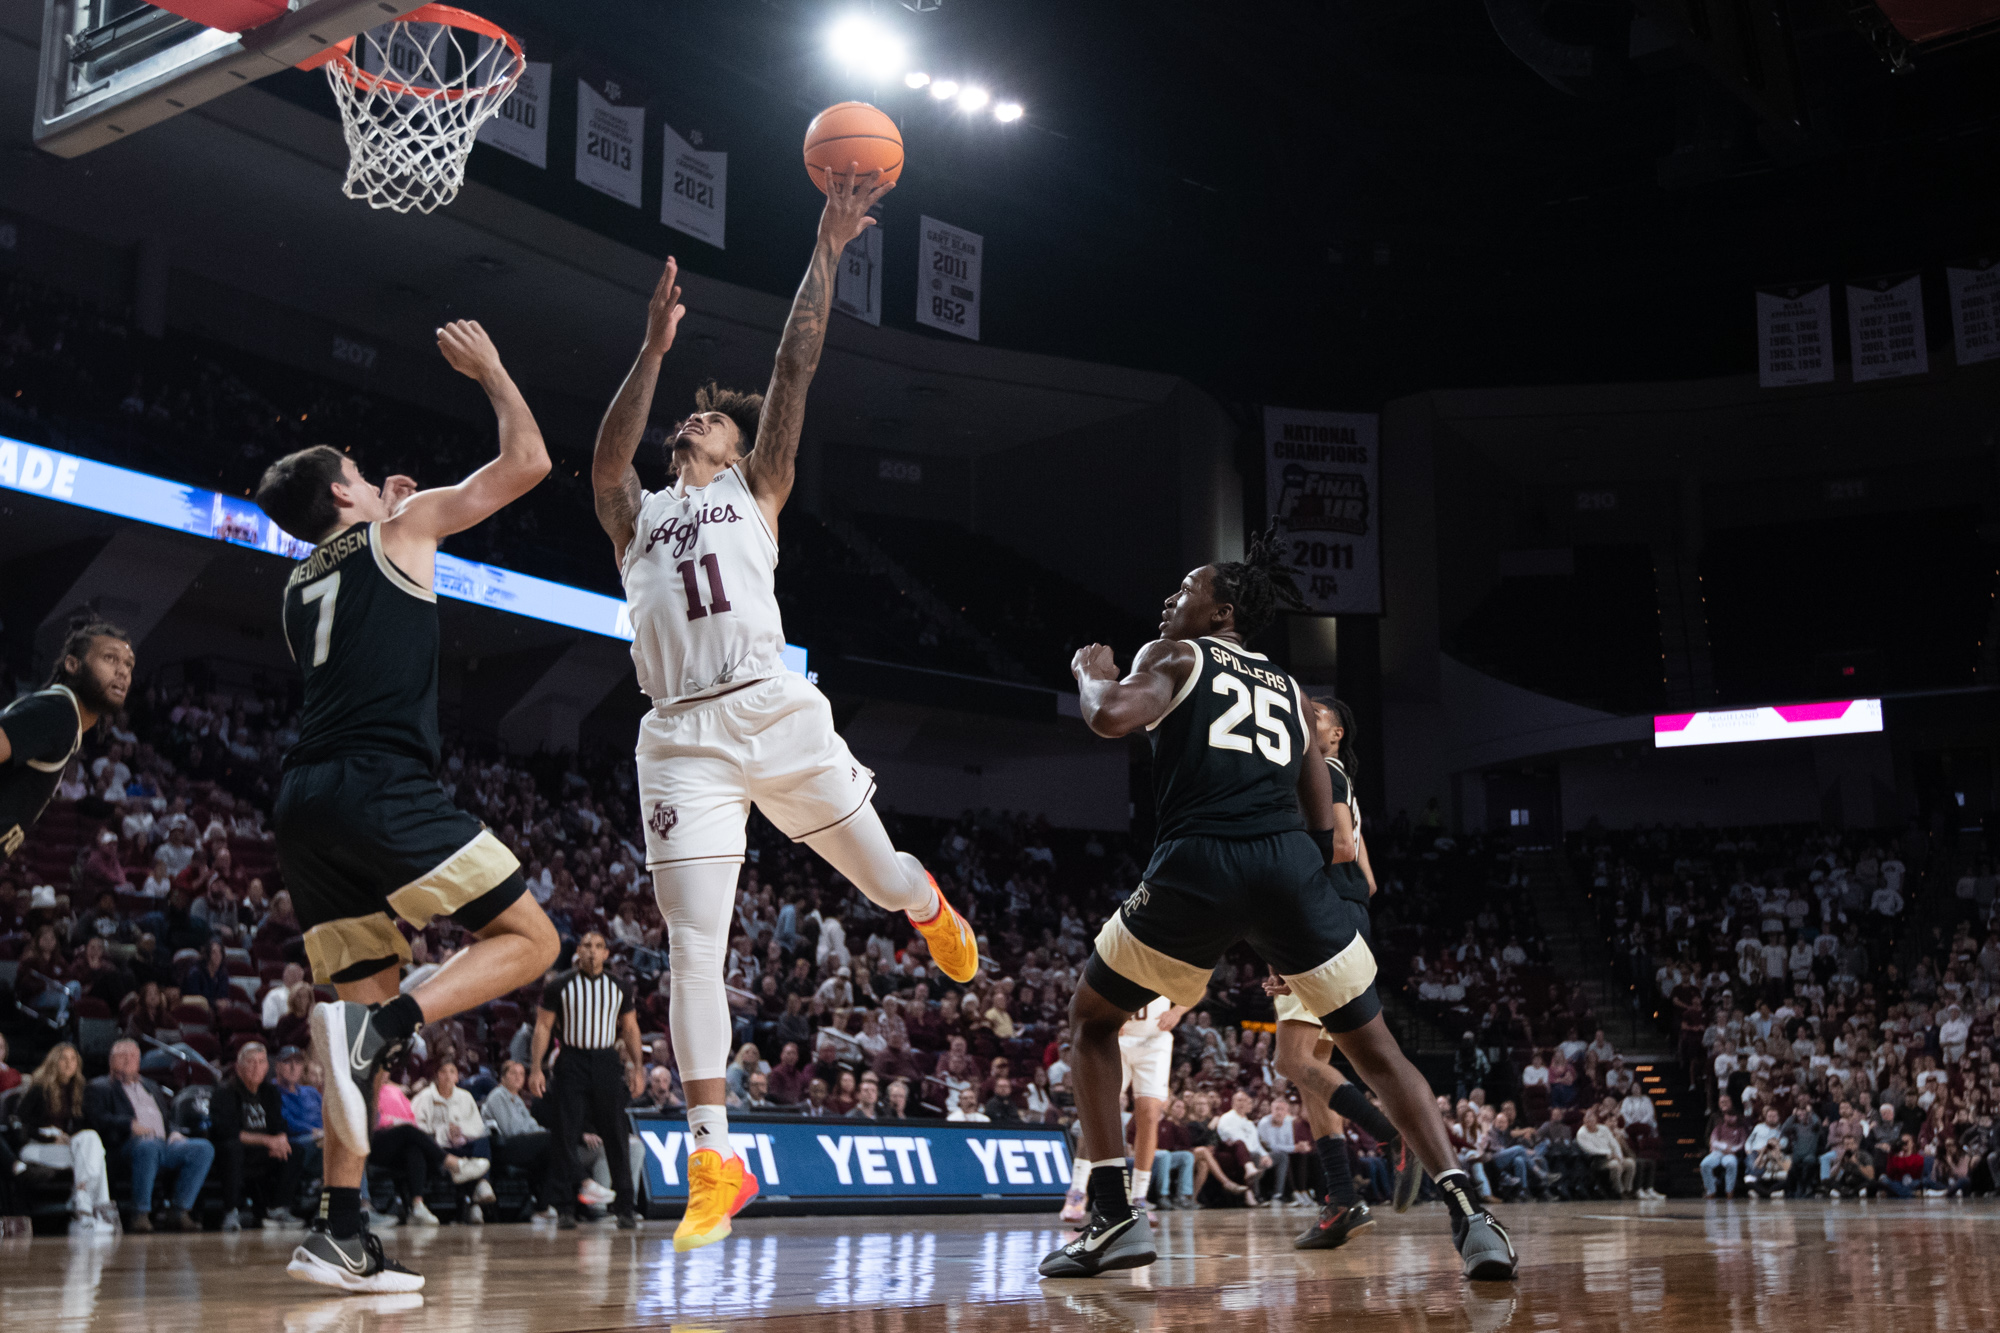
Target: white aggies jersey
[{"x": 700, "y": 582}]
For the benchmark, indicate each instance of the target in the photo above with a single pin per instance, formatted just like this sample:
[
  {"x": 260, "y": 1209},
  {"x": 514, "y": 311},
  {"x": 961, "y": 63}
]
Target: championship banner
[
  {"x": 694, "y": 189},
  {"x": 521, "y": 127},
  {"x": 1885, "y": 325},
  {"x": 849, "y": 1159},
  {"x": 1975, "y": 311},
  {"x": 610, "y": 137},
  {"x": 857, "y": 282},
  {"x": 1320, "y": 483},
  {"x": 1795, "y": 336},
  {"x": 948, "y": 278}
]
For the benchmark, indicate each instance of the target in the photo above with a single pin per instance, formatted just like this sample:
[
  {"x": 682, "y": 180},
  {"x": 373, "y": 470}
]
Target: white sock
[
  {"x": 708, "y": 1127},
  {"x": 915, "y": 874},
  {"x": 1142, "y": 1184},
  {"x": 1079, "y": 1176}
]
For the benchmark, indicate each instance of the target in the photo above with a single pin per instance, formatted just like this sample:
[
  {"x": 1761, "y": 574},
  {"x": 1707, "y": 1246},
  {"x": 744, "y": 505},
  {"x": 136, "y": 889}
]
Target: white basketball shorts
[
  {"x": 1148, "y": 1064},
  {"x": 702, "y": 764}
]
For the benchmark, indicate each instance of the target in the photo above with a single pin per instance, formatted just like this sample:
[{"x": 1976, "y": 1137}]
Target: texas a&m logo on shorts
[{"x": 663, "y": 819}]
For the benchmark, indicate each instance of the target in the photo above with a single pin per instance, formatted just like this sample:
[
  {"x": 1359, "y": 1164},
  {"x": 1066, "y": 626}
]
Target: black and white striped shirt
[{"x": 587, "y": 1009}]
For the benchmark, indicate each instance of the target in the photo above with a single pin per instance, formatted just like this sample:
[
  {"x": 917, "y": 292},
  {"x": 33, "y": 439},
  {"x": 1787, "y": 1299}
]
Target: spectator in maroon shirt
[{"x": 788, "y": 1078}]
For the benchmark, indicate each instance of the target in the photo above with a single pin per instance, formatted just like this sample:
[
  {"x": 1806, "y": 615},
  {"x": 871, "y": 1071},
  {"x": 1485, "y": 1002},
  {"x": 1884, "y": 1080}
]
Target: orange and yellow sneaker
[
  {"x": 954, "y": 948},
  {"x": 718, "y": 1187}
]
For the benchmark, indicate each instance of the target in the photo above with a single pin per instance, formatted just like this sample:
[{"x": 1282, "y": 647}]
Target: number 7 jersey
[
  {"x": 1227, "y": 753},
  {"x": 700, "y": 585},
  {"x": 365, "y": 636}
]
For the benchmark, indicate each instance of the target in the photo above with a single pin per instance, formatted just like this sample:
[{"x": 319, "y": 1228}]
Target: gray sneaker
[
  {"x": 1485, "y": 1247},
  {"x": 1103, "y": 1247},
  {"x": 356, "y": 1264},
  {"x": 231, "y": 1222}
]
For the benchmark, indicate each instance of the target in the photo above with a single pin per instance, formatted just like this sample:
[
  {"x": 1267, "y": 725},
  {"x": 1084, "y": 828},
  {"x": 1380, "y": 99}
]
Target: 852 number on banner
[{"x": 948, "y": 273}]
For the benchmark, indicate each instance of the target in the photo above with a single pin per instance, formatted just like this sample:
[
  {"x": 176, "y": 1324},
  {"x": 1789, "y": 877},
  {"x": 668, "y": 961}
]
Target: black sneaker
[
  {"x": 1102, "y": 1247},
  {"x": 1336, "y": 1222},
  {"x": 352, "y": 1052},
  {"x": 1409, "y": 1173},
  {"x": 566, "y": 1220},
  {"x": 1485, "y": 1247},
  {"x": 628, "y": 1220},
  {"x": 356, "y": 1264}
]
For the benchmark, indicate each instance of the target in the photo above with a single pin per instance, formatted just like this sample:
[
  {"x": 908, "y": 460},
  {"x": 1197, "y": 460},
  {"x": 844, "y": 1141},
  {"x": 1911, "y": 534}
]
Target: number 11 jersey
[
  {"x": 1228, "y": 751},
  {"x": 700, "y": 587},
  {"x": 365, "y": 636}
]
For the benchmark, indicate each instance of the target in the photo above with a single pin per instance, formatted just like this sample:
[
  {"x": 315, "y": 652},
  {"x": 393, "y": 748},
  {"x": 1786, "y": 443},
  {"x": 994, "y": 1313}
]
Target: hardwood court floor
[{"x": 1679, "y": 1267}]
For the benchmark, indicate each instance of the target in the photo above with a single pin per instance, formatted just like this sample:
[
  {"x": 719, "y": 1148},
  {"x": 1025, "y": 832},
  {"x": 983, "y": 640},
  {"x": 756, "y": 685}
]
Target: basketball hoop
[{"x": 413, "y": 104}]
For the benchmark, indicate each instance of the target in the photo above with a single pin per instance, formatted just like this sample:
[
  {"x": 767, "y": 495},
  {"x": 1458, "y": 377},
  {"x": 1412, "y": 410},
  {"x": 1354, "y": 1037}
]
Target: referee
[{"x": 592, "y": 1013}]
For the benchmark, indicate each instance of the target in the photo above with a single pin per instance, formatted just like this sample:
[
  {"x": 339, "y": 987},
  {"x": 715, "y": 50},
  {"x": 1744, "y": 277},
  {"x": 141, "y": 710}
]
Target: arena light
[
  {"x": 88, "y": 484},
  {"x": 1840, "y": 717},
  {"x": 1007, "y": 111},
  {"x": 857, "y": 43},
  {"x": 973, "y": 98},
  {"x": 944, "y": 88},
  {"x": 915, "y": 79}
]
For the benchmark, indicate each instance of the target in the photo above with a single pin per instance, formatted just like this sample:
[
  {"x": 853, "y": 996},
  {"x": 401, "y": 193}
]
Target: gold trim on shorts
[
  {"x": 334, "y": 946},
  {"x": 1143, "y": 965},
  {"x": 1338, "y": 981},
  {"x": 465, "y": 876}
]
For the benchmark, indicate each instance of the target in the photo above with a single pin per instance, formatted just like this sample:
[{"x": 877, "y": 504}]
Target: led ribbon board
[
  {"x": 1843, "y": 717},
  {"x": 89, "y": 484}
]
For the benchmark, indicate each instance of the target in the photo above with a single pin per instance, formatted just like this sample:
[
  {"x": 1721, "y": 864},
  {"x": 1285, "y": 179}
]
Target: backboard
[{"x": 110, "y": 68}]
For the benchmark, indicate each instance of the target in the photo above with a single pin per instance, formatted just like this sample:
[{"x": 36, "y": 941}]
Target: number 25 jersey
[
  {"x": 700, "y": 586},
  {"x": 1228, "y": 752}
]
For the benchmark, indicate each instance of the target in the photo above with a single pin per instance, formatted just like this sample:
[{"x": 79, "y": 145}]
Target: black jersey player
[
  {"x": 363, "y": 828},
  {"x": 41, "y": 732},
  {"x": 1243, "y": 852}
]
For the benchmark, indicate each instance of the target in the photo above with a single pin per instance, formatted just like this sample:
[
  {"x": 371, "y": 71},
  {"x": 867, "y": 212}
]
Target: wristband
[{"x": 1322, "y": 839}]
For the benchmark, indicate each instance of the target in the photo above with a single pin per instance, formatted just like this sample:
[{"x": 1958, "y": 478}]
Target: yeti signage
[{"x": 1320, "y": 482}]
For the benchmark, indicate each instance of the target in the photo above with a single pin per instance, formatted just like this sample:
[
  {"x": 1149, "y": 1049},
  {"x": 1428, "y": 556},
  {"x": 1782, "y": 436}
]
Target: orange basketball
[{"x": 852, "y": 132}]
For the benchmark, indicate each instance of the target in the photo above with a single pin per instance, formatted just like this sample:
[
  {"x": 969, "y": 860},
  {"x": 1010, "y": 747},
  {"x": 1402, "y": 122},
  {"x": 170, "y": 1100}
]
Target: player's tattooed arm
[
  {"x": 1114, "y": 707},
  {"x": 612, "y": 479},
  {"x": 772, "y": 465}
]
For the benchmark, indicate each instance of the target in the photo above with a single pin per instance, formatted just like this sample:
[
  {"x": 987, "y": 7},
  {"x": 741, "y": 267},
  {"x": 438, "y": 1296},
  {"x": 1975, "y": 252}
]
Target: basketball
[{"x": 852, "y": 132}]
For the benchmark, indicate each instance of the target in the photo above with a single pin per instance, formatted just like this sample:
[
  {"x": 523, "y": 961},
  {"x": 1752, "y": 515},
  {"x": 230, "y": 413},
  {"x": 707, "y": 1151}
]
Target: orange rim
[{"x": 452, "y": 17}]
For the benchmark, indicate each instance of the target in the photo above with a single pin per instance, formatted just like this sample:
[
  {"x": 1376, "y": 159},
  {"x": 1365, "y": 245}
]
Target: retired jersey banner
[
  {"x": 521, "y": 129},
  {"x": 1321, "y": 484},
  {"x": 843, "y": 1158},
  {"x": 948, "y": 278},
  {"x": 610, "y": 138},
  {"x": 1975, "y": 311},
  {"x": 1795, "y": 336},
  {"x": 694, "y": 189},
  {"x": 857, "y": 282},
  {"x": 1885, "y": 324}
]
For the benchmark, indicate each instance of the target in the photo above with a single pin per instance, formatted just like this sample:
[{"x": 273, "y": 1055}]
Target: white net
[{"x": 412, "y": 97}]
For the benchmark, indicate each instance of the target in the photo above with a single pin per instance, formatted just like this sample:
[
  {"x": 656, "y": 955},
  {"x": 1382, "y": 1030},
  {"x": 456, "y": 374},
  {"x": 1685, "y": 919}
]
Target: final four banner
[
  {"x": 1322, "y": 485},
  {"x": 861, "y": 1159}
]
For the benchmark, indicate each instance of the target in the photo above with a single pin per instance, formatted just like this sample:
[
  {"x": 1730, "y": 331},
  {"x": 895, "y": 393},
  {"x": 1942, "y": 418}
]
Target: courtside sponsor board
[
  {"x": 235, "y": 519},
  {"x": 1843, "y": 717},
  {"x": 844, "y": 1158}
]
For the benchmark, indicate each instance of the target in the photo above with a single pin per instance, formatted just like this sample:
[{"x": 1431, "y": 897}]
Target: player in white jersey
[
  {"x": 730, "y": 726},
  {"x": 1304, "y": 1049},
  {"x": 1146, "y": 1065}
]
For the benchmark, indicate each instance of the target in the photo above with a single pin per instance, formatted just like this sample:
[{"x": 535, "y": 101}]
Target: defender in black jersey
[
  {"x": 1244, "y": 852},
  {"x": 363, "y": 828},
  {"x": 41, "y": 732}
]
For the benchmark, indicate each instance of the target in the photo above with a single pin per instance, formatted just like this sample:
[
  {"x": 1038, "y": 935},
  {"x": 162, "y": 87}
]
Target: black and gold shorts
[
  {"x": 366, "y": 835},
  {"x": 1201, "y": 895}
]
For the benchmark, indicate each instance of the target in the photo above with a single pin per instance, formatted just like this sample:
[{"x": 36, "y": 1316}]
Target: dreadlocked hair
[
  {"x": 1258, "y": 585},
  {"x": 1348, "y": 759},
  {"x": 82, "y": 630}
]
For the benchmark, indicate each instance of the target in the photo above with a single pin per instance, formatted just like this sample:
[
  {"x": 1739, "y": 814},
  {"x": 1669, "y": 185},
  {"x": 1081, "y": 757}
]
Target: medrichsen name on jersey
[{"x": 329, "y": 555}]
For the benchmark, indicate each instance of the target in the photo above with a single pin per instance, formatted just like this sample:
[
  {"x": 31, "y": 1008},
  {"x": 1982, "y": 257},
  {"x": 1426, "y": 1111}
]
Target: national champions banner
[
  {"x": 1322, "y": 485},
  {"x": 860, "y": 1159}
]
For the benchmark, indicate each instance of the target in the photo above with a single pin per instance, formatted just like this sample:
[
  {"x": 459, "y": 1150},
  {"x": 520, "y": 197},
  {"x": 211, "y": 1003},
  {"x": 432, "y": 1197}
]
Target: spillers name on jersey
[
  {"x": 683, "y": 530},
  {"x": 1242, "y": 666}
]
